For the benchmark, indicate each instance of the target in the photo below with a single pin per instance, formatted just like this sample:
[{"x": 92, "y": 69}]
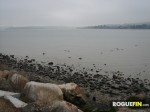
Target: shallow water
[{"x": 124, "y": 50}]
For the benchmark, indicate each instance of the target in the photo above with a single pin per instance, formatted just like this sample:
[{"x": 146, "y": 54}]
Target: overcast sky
[{"x": 72, "y": 12}]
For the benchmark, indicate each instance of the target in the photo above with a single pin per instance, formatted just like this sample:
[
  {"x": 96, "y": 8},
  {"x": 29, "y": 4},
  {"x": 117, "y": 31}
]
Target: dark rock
[
  {"x": 77, "y": 100},
  {"x": 30, "y": 108},
  {"x": 94, "y": 98},
  {"x": 5, "y": 85},
  {"x": 50, "y": 63}
]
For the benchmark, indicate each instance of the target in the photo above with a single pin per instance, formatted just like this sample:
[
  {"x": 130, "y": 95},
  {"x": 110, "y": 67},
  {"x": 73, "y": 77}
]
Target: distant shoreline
[
  {"x": 140, "y": 26},
  {"x": 119, "y": 26}
]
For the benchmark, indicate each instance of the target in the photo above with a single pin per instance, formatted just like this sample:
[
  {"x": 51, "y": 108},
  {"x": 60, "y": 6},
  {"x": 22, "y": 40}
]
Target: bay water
[{"x": 109, "y": 49}]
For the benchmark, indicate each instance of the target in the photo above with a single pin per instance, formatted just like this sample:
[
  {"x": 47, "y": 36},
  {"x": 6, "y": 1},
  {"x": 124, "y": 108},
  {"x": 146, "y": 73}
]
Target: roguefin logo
[{"x": 129, "y": 104}]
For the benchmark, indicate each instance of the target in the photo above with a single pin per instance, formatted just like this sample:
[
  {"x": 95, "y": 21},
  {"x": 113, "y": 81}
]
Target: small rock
[
  {"x": 6, "y": 73},
  {"x": 141, "y": 96},
  {"x": 94, "y": 98}
]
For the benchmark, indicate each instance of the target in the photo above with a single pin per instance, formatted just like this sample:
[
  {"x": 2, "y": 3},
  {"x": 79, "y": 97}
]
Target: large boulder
[
  {"x": 17, "y": 81},
  {"x": 70, "y": 88},
  {"x": 74, "y": 94},
  {"x": 43, "y": 93}
]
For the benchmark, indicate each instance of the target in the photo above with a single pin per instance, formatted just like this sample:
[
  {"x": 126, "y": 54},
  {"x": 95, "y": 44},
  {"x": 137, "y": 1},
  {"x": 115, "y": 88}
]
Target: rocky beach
[
  {"x": 74, "y": 56},
  {"x": 94, "y": 89}
]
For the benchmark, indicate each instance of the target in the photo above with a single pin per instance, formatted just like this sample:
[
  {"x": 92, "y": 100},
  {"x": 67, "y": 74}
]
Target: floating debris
[{"x": 80, "y": 58}]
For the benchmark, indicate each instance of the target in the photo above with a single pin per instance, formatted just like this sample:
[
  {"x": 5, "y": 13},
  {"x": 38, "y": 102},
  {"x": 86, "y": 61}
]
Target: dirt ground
[{"x": 6, "y": 106}]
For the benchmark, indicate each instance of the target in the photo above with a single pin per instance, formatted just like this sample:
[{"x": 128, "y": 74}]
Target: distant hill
[
  {"x": 105, "y": 26},
  {"x": 120, "y": 26},
  {"x": 37, "y": 27}
]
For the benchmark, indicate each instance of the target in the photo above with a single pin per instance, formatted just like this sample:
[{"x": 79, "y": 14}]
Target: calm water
[{"x": 124, "y": 50}]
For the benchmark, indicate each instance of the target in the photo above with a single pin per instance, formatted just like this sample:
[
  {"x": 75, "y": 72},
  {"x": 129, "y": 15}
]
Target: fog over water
[
  {"x": 72, "y": 12},
  {"x": 123, "y": 50}
]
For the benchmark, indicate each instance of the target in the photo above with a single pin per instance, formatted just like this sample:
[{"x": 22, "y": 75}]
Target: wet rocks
[
  {"x": 50, "y": 63},
  {"x": 115, "y": 86},
  {"x": 98, "y": 80}
]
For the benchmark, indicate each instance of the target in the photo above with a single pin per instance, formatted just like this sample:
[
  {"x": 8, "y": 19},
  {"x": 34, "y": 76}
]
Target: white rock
[
  {"x": 6, "y": 93},
  {"x": 16, "y": 102}
]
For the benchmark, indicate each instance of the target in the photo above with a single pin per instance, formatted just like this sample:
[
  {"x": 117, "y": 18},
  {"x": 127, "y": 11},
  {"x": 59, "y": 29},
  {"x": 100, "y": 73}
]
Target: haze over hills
[
  {"x": 120, "y": 26},
  {"x": 35, "y": 27},
  {"x": 145, "y": 25}
]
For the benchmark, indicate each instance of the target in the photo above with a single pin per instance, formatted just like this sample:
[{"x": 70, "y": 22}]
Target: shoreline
[{"x": 100, "y": 89}]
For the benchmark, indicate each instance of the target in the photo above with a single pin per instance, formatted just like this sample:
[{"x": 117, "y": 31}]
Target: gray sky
[{"x": 72, "y": 12}]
